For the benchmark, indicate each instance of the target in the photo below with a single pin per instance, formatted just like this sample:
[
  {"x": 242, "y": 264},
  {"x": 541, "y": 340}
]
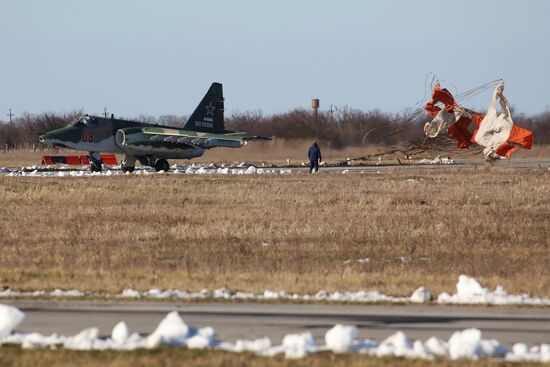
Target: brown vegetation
[
  {"x": 343, "y": 127},
  {"x": 15, "y": 357},
  {"x": 279, "y": 232}
]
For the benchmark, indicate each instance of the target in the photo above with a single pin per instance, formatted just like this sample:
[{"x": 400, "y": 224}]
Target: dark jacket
[{"x": 314, "y": 153}]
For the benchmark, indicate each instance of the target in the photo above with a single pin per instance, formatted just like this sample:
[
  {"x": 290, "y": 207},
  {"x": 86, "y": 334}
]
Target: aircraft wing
[
  {"x": 151, "y": 137},
  {"x": 244, "y": 136}
]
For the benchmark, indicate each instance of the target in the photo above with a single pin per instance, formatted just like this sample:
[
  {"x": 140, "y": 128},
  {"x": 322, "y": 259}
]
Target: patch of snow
[
  {"x": 365, "y": 346},
  {"x": 222, "y": 293},
  {"x": 120, "y": 333},
  {"x": 470, "y": 291},
  {"x": 203, "y": 339},
  {"x": 358, "y": 261},
  {"x": 171, "y": 331},
  {"x": 421, "y": 295},
  {"x": 468, "y": 344},
  {"x": 243, "y": 168},
  {"x": 420, "y": 351},
  {"x": 130, "y": 293},
  {"x": 470, "y": 287},
  {"x": 437, "y": 346},
  {"x": 10, "y": 318},
  {"x": 396, "y": 345},
  {"x": 522, "y": 353},
  {"x": 84, "y": 340},
  {"x": 437, "y": 160},
  {"x": 340, "y": 338},
  {"x": 255, "y": 346},
  {"x": 298, "y": 345},
  {"x": 36, "y": 340},
  {"x": 69, "y": 293}
]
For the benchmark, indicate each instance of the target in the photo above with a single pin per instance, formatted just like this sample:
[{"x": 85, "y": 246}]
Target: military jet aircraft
[{"x": 151, "y": 144}]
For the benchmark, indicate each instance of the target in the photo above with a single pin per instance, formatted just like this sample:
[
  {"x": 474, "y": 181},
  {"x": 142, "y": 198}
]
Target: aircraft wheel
[
  {"x": 94, "y": 167},
  {"x": 162, "y": 165}
]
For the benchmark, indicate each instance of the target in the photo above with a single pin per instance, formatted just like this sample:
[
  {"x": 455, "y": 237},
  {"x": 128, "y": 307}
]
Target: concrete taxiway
[{"x": 234, "y": 321}]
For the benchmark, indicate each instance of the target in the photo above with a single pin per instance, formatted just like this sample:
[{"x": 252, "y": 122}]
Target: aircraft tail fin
[{"x": 208, "y": 116}]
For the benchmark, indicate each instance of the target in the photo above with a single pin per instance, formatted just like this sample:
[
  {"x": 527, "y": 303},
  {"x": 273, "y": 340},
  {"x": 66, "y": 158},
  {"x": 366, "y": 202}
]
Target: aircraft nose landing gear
[{"x": 96, "y": 165}]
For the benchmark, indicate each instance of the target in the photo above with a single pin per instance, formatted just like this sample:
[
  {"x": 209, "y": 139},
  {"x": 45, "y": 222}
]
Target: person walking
[{"x": 314, "y": 155}]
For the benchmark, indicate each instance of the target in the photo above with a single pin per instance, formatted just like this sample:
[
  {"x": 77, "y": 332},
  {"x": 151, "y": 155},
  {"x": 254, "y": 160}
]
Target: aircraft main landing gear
[
  {"x": 162, "y": 165},
  {"x": 127, "y": 169},
  {"x": 128, "y": 164}
]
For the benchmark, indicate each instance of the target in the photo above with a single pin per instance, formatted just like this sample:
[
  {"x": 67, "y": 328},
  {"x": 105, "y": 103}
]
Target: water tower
[{"x": 315, "y": 106}]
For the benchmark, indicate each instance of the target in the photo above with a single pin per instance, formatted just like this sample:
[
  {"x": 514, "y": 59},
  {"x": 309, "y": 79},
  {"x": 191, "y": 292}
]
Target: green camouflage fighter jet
[{"x": 150, "y": 144}]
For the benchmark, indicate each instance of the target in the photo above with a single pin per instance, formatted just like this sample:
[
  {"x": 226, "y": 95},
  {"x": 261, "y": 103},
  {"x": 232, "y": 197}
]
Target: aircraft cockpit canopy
[{"x": 84, "y": 120}]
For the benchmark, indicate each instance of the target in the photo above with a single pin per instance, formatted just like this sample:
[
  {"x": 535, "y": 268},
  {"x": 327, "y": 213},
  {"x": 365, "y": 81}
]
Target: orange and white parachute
[{"x": 495, "y": 130}]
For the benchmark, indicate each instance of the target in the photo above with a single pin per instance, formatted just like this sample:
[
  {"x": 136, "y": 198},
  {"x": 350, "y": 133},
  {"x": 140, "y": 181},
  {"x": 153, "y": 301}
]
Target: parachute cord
[
  {"x": 428, "y": 145},
  {"x": 469, "y": 94}
]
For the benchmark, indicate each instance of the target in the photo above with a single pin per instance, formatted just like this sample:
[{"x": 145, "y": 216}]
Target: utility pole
[
  {"x": 105, "y": 112},
  {"x": 10, "y": 115}
]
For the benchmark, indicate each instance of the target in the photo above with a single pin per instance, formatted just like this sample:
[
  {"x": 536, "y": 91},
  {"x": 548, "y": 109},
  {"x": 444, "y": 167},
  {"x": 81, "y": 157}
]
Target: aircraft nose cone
[{"x": 44, "y": 138}]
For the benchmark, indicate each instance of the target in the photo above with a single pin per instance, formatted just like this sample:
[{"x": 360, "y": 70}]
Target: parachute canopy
[{"x": 495, "y": 130}]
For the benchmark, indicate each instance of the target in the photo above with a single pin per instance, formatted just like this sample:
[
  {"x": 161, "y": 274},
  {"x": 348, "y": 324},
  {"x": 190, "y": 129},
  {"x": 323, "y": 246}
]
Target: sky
[{"x": 159, "y": 57}]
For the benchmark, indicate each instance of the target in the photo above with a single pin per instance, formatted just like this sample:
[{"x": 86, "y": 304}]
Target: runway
[{"x": 234, "y": 321}]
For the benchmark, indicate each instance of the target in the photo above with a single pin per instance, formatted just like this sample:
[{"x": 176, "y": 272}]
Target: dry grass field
[
  {"x": 278, "y": 232},
  {"x": 166, "y": 357}
]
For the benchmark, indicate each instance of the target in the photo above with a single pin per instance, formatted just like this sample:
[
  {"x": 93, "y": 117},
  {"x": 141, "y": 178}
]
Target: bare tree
[{"x": 340, "y": 127}]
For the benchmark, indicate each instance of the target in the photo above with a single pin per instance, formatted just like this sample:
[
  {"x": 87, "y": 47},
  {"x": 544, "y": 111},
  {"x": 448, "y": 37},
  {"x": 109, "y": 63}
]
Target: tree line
[{"x": 339, "y": 128}]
